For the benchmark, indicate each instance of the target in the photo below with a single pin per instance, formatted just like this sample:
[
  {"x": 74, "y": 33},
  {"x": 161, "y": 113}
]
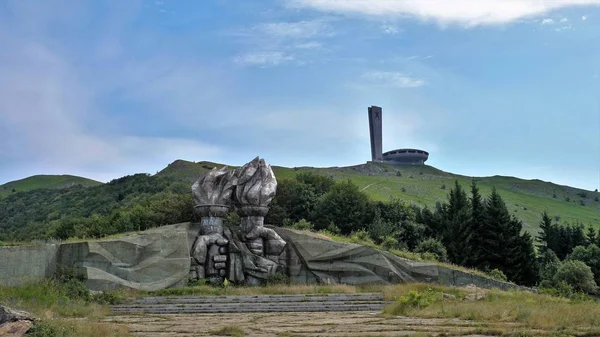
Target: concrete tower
[{"x": 375, "y": 126}]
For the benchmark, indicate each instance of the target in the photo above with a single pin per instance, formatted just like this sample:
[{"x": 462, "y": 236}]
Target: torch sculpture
[
  {"x": 256, "y": 187},
  {"x": 212, "y": 198}
]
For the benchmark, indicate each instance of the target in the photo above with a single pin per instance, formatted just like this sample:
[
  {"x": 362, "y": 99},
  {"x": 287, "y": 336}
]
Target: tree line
[
  {"x": 466, "y": 229},
  {"x": 473, "y": 231}
]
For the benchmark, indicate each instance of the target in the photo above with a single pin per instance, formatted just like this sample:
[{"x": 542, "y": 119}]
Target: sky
[{"x": 104, "y": 89}]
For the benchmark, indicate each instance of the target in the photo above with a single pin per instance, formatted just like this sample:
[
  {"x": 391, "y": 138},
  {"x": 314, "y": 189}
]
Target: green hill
[
  {"x": 424, "y": 185},
  {"x": 45, "y": 181}
]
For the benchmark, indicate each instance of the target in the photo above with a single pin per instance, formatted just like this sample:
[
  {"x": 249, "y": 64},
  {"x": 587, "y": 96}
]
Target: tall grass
[
  {"x": 65, "y": 309},
  {"x": 529, "y": 311}
]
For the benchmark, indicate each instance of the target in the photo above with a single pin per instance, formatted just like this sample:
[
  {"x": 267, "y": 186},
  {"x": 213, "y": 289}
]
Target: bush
[
  {"x": 498, "y": 274},
  {"x": 278, "y": 278},
  {"x": 360, "y": 236},
  {"x": 434, "y": 247},
  {"x": 389, "y": 243},
  {"x": 303, "y": 225},
  {"x": 576, "y": 274},
  {"x": 413, "y": 300}
]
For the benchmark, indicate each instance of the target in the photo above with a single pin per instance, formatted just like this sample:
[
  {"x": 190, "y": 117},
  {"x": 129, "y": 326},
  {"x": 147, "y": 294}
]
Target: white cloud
[
  {"x": 308, "y": 45},
  {"x": 277, "y": 43},
  {"x": 264, "y": 59},
  {"x": 547, "y": 21},
  {"x": 564, "y": 20},
  {"x": 390, "y": 29},
  {"x": 583, "y": 18},
  {"x": 298, "y": 29},
  {"x": 563, "y": 28},
  {"x": 394, "y": 79},
  {"x": 466, "y": 12}
]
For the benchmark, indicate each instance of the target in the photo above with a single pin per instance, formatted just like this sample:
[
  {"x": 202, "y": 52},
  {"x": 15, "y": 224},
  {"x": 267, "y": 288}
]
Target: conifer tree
[
  {"x": 505, "y": 247},
  {"x": 457, "y": 220},
  {"x": 477, "y": 222},
  {"x": 492, "y": 254},
  {"x": 546, "y": 237},
  {"x": 591, "y": 235}
]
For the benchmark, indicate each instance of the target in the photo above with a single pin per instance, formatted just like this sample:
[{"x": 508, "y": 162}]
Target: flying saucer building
[{"x": 398, "y": 156}]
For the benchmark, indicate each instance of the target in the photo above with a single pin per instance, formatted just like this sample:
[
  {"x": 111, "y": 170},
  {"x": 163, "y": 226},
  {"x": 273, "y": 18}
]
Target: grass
[
  {"x": 44, "y": 181},
  {"x": 530, "y": 311},
  {"x": 65, "y": 315},
  {"x": 526, "y": 199},
  {"x": 233, "y": 331},
  {"x": 61, "y": 311}
]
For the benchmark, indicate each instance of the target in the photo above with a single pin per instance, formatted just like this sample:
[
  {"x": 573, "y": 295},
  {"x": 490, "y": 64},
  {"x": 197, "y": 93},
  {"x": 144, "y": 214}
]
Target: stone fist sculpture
[
  {"x": 249, "y": 253},
  {"x": 255, "y": 189},
  {"x": 212, "y": 196}
]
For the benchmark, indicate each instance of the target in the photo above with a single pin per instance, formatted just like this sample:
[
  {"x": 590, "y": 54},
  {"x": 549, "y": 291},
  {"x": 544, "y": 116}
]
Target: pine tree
[
  {"x": 591, "y": 235},
  {"x": 492, "y": 254},
  {"x": 477, "y": 222},
  {"x": 505, "y": 248},
  {"x": 547, "y": 234},
  {"x": 457, "y": 220}
]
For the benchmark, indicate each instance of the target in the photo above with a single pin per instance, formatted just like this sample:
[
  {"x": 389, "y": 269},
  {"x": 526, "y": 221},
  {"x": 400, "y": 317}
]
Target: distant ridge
[
  {"x": 420, "y": 185},
  {"x": 425, "y": 185},
  {"x": 45, "y": 181}
]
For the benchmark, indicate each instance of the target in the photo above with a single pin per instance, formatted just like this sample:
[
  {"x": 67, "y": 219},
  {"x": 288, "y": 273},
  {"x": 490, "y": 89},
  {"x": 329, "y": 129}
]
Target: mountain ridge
[
  {"x": 38, "y": 181},
  {"x": 421, "y": 185}
]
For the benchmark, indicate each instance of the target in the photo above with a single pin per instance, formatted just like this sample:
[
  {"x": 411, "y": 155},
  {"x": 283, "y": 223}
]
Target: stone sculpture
[{"x": 249, "y": 253}]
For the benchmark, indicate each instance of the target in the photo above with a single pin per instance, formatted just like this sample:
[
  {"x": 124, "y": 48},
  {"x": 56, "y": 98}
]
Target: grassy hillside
[
  {"x": 45, "y": 181},
  {"x": 424, "y": 185}
]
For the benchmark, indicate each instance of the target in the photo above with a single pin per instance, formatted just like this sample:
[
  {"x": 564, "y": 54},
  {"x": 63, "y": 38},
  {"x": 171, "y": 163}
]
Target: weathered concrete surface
[
  {"x": 314, "y": 260},
  {"x": 22, "y": 264},
  {"x": 160, "y": 258},
  {"x": 152, "y": 260}
]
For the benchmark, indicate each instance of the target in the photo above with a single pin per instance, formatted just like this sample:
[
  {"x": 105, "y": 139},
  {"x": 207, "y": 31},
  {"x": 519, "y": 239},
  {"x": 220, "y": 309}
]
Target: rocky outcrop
[{"x": 14, "y": 323}]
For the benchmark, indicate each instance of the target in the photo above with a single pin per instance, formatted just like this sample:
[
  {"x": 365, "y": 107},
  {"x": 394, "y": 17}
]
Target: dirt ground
[{"x": 302, "y": 324}]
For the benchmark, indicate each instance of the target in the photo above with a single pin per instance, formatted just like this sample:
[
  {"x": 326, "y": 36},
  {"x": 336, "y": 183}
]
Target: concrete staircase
[{"x": 254, "y": 303}]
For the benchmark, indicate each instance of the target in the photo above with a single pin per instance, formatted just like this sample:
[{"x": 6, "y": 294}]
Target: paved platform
[{"x": 255, "y": 303}]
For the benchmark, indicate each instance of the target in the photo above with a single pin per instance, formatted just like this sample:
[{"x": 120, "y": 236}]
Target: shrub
[
  {"x": 443, "y": 186},
  {"x": 413, "y": 300},
  {"x": 360, "y": 236},
  {"x": 434, "y": 247},
  {"x": 332, "y": 228},
  {"x": 403, "y": 190},
  {"x": 576, "y": 274},
  {"x": 398, "y": 174},
  {"x": 389, "y": 243},
  {"x": 278, "y": 278},
  {"x": 498, "y": 275},
  {"x": 303, "y": 225}
]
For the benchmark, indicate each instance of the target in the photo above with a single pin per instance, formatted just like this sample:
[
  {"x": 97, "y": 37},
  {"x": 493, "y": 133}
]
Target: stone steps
[{"x": 257, "y": 303}]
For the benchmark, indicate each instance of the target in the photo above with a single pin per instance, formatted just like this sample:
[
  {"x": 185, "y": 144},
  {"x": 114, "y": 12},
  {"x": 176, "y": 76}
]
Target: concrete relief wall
[{"x": 22, "y": 264}]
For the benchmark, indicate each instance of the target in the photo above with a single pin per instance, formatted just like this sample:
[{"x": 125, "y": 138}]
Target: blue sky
[{"x": 108, "y": 88}]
